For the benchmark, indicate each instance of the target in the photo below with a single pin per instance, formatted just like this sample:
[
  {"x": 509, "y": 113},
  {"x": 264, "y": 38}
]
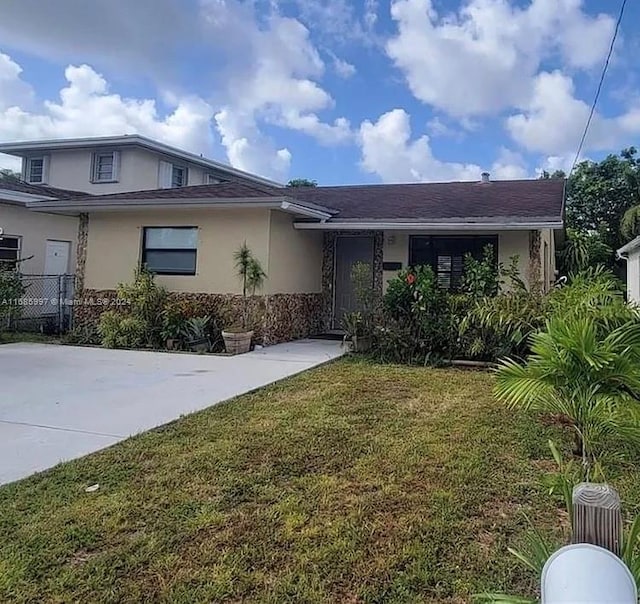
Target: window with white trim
[
  {"x": 35, "y": 170},
  {"x": 178, "y": 176},
  {"x": 212, "y": 179},
  {"x": 170, "y": 250},
  {"x": 105, "y": 166},
  {"x": 9, "y": 249}
]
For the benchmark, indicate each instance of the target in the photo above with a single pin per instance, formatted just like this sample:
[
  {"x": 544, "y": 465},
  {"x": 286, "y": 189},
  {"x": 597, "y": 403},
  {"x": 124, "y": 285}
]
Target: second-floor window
[
  {"x": 178, "y": 176},
  {"x": 35, "y": 170},
  {"x": 105, "y": 166}
]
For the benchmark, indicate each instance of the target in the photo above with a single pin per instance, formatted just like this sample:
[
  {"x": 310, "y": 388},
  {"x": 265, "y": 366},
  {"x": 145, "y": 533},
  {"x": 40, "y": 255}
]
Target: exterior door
[
  {"x": 349, "y": 250},
  {"x": 57, "y": 257}
]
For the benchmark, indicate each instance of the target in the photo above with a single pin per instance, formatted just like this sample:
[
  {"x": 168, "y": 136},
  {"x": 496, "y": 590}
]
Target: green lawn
[{"x": 350, "y": 483}]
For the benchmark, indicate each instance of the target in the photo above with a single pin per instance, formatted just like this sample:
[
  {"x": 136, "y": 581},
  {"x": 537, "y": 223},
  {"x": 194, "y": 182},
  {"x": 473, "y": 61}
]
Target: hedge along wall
[{"x": 274, "y": 318}]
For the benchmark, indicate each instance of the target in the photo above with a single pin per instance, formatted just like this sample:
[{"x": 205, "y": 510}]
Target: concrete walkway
[{"x": 62, "y": 402}]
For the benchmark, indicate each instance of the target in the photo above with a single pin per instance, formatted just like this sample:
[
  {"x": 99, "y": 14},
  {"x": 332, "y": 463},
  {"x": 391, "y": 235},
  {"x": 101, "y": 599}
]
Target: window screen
[
  {"x": 9, "y": 249},
  {"x": 170, "y": 250}
]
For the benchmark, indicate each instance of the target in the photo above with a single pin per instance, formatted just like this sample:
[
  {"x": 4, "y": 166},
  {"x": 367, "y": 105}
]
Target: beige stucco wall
[
  {"x": 510, "y": 243},
  {"x": 115, "y": 242},
  {"x": 295, "y": 257},
  {"x": 139, "y": 170},
  {"x": 34, "y": 229}
]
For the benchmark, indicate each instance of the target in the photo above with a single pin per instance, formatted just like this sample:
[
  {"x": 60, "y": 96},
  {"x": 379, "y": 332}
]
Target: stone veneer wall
[
  {"x": 535, "y": 262},
  {"x": 275, "y": 318},
  {"x": 81, "y": 250},
  {"x": 328, "y": 268}
]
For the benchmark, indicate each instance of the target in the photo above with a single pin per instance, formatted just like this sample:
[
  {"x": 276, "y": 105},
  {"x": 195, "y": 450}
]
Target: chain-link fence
[{"x": 46, "y": 304}]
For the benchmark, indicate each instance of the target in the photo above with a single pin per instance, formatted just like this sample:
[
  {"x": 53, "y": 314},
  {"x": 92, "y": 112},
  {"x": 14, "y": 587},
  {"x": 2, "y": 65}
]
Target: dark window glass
[
  {"x": 36, "y": 170},
  {"x": 178, "y": 177},
  {"x": 9, "y": 249},
  {"x": 445, "y": 255},
  {"x": 170, "y": 250}
]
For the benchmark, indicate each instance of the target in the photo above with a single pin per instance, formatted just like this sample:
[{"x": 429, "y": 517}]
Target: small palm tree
[
  {"x": 249, "y": 270},
  {"x": 584, "y": 372}
]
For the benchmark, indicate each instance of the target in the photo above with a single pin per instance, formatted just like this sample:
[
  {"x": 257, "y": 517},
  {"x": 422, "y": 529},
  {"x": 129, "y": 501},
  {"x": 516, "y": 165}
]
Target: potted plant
[
  {"x": 357, "y": 331},
  {"x": 237, "y": 340},
  {"x": 196, "y": 334},
  {"x": 173, "y": 327}
]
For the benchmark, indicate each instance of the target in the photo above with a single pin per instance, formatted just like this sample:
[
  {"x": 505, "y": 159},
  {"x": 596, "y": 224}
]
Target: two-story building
[{"x": 116, "y": 164}]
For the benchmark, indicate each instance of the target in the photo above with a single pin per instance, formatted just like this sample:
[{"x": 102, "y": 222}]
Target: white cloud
[
  {"x": 389, "y": 152},
  {"x": 483, "y": 58},
  {"x": 13, "y": 90},
  {"x": 343, "y": 68},
  {"x": 273, "y": 82},
  {"x": 554, "y": 120},
  {"x": 87, "y": 108}
]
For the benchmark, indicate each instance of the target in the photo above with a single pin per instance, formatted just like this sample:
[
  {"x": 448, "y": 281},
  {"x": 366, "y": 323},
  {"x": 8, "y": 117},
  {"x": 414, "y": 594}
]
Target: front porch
[{"x": 390, "y": 251}]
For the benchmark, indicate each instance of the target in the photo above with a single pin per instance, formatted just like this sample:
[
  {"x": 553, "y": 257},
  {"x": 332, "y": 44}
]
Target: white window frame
[
  {"x": 45, "y": 169},
  {"x": 185, "y": 176},
  {"x": 95, "y": 165},
  {"x": 211, "y": 179},
  {"x": 18, "y": 250}
]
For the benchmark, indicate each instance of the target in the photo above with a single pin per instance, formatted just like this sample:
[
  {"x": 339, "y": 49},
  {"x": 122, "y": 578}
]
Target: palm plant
[
  {"x": 585, "y": 373},
  {"x": 250, "y": 272}
]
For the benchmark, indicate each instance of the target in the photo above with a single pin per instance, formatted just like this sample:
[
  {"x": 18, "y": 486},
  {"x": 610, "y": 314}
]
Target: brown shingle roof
[
  {"x": 223, "y": 190},
  {"x": 43, "y": 190},
  {"x": 441, "y": 201}
]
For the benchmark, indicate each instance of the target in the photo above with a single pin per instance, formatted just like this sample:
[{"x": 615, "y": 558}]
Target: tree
[
  {"x": 302, "y": 182},
  {"x": 556, "y": 174},
  {"x": 600, "y": 193},
  {"x": 7, "y": 175}
]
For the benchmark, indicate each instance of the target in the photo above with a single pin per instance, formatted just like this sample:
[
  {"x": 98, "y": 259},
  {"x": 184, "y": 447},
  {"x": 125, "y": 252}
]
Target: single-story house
[
  {"x": 307, "y": 240},
  {"x": 631, "y": 253}
]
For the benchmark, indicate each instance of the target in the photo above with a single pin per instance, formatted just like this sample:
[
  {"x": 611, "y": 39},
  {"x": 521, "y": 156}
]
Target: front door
[
  {"x": 57, "y": 257},
  {"x": 349, "y": 250}
]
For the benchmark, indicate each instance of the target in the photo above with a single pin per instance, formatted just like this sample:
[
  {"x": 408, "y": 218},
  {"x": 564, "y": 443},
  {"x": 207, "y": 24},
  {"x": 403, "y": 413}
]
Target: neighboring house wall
[
  {"x": 633, "y": 276},
  {"x": 138, "y": 169},
  {"x": 35, "y": 229},
  {"x": 295, "y": 257}
]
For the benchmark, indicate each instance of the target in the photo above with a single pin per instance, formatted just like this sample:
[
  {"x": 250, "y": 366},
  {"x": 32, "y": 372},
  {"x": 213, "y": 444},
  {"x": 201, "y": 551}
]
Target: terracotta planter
[{"x": 237, "y": 342}]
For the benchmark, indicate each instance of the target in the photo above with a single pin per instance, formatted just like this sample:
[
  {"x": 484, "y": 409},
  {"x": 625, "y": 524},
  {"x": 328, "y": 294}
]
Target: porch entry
[{"x": 348, "y": 251}]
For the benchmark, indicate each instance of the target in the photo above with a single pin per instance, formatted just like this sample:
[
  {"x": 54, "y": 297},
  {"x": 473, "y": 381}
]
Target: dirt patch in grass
[{"x": 350, "y": 483}]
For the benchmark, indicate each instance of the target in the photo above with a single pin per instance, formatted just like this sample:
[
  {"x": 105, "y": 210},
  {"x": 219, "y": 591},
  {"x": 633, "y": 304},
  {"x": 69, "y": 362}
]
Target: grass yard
[{"x": 350, "y": 483}]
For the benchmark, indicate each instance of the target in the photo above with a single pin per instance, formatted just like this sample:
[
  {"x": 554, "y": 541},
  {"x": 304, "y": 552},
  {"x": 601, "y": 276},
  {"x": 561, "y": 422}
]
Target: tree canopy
[
  {"x": 7, "y": 175},
  {"x": 302, "y": 182}
]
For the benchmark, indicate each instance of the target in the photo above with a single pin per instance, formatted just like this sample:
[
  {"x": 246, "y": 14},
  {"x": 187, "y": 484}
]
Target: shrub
[
  {"x": 122, "y": 331},
  {"x": 145, "y": 301},
  {"x": 11, "y": 290},
  {"x": 417, "y": 312}
]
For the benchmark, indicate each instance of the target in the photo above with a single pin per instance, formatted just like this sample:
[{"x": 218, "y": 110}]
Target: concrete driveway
[{"x": 62, "y": 402}]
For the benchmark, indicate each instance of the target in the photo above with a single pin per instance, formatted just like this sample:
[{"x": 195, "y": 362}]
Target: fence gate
[{"x": 46, "y": 304}]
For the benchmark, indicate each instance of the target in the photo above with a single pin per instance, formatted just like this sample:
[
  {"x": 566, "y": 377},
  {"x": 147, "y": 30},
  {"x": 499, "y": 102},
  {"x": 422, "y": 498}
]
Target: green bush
[
  {"x": 11, "y": 290},
  {"x": 145, "y": 300},
  {"x": 118, "y": 330}
]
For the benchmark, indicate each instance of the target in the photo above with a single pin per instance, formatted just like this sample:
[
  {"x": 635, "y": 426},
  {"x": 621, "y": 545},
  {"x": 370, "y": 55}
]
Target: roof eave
[
  {"x": 634, "y": 244},
  {"x": 123, "y": 205},
  {"x": 348, "y": 225}
]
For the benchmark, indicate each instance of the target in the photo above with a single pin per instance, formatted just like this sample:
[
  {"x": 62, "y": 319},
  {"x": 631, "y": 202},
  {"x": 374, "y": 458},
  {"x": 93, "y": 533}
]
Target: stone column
[
  {"x": 81, "y": 252},
  {"x": 535, "y": 262}
]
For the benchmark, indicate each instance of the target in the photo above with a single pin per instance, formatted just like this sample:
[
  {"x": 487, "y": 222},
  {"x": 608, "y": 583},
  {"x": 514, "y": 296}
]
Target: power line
[{"x": 597, "y": 96}]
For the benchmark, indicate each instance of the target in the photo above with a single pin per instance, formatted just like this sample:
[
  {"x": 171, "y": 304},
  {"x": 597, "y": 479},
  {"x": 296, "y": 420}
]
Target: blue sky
[{"x": 339, "y": 91}]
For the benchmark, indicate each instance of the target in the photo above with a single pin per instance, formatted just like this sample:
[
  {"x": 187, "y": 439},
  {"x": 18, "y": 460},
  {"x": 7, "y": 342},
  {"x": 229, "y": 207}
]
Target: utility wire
[{"x": 597, "y": 96}]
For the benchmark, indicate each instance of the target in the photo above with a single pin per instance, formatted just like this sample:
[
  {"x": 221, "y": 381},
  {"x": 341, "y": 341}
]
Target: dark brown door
[{"x": 349, "y": 250}]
